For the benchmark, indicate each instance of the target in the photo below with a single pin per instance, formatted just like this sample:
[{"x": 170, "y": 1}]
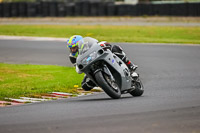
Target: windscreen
[{"x": 85, "y": 45}]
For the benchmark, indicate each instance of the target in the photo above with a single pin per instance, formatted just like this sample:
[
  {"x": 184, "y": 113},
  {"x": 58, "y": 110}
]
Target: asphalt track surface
[{"x": 170, "y": 104}]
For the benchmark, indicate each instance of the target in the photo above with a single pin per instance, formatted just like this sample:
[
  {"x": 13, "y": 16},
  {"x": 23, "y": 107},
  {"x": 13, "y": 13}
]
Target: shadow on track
[{"x": 102, "y": 99}]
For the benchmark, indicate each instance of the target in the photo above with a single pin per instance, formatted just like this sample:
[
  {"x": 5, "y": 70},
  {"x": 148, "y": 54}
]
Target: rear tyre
[
  {"x": 110, "y": 87},
  {"x": 139, "y": 89}
]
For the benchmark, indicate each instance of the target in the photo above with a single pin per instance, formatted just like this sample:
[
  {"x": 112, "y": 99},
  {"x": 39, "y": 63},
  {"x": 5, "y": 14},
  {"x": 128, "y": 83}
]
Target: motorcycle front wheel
[{"x": 110, "y": 87}]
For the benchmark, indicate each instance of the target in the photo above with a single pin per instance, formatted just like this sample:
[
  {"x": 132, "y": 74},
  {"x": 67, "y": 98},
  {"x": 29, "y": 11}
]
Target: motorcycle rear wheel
[
  {"x": 111, "y": 89},
  {"x": 139, "y": 89}
]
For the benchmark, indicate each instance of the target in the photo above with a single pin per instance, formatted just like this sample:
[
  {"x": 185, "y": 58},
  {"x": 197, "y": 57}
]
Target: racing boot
[
  {"x": 132, "y": 67},
  {"x": 87, "y": 84}
]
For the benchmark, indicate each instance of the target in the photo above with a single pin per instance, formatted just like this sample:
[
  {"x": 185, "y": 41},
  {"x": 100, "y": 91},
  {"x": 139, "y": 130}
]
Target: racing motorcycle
[{"x": 108, "y": 71}]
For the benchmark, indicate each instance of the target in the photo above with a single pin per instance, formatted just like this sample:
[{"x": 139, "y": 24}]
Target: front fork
[
  {"x": 99, "y": 66},
  {"x": 107, "y": 72}
]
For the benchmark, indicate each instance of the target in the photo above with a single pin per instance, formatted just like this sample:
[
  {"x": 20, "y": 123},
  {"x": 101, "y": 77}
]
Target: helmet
[{"x": 73, "y": 42}]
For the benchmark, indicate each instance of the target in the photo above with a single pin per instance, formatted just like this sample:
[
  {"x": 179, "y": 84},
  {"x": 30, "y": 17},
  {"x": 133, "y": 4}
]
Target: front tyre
[
  {"x": 110, "y": 87},
  {"x": 139, "y": 89}
]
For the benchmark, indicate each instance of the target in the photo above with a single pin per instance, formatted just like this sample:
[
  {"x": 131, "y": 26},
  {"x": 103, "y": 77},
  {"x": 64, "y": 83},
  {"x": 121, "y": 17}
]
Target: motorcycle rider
[{"x": 72, "y": 44}]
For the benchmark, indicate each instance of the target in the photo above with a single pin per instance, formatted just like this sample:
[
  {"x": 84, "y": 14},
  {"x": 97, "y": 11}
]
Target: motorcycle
[{"x": 108, "y": 71}]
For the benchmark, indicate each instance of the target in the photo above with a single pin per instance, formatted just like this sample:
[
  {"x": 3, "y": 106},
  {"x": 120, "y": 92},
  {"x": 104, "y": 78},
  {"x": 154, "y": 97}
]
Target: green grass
[
  {"x": 144, "y": 34},
  {"x": 26, "y": 80}
]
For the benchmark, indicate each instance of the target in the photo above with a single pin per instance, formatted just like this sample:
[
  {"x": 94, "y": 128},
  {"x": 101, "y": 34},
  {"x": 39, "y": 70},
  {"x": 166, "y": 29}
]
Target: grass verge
[
  {"x": 26, "y": 80},
  {"x": 142, "y": 34}
]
